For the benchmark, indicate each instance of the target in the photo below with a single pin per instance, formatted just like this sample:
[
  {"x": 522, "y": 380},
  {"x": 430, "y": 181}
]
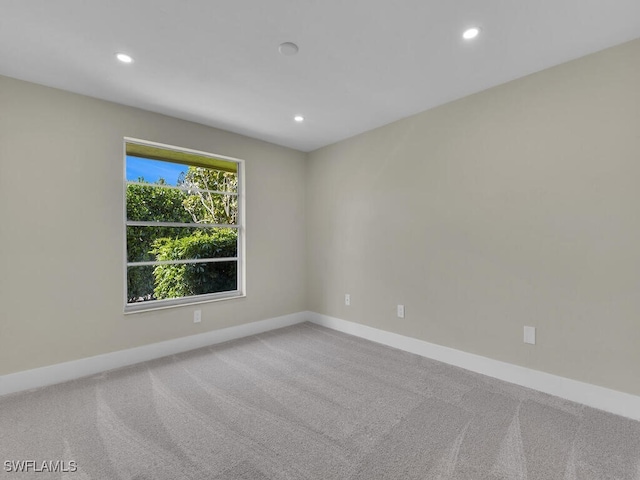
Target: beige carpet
[{"x": 305, "y": 402}]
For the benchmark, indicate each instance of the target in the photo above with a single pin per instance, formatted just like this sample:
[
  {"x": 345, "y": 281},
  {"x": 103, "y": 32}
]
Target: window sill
[{"x": 154, "y": 305}]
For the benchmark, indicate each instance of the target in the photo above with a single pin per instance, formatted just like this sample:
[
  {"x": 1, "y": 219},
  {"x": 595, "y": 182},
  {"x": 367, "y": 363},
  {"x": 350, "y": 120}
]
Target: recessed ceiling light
[
  {"x": 299, "y": 118},
  {"x": 124, "y": 58},
  {"x": 471, "y": 33},
  {"x": 288, "y": 48}
]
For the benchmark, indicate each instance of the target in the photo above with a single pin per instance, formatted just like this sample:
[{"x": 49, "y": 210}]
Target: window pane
[
  {"x": 180, "y": 243},
  {"x": 157, "y": 172},
  {"x": 171, "y": 195},
  {"x": 177, "y": 281},
  {"x": 154, "y": 171},
  {"x": 140, "y": 284},
  {"x": 148, "y": 203}
]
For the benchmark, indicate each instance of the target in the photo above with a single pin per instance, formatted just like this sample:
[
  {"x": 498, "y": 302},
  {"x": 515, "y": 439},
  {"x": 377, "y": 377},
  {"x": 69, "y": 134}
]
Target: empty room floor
[{"x": 306, "y": 402}]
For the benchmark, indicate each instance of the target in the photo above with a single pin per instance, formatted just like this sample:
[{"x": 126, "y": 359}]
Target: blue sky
[{"x": 152, "y": 170}]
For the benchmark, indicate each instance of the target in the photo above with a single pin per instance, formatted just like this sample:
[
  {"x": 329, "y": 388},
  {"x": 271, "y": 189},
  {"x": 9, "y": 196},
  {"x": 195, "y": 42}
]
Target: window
[{"x": 184, "y": 226}]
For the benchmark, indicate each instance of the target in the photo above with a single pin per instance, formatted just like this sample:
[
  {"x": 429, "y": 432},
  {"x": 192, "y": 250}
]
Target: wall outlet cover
[{"x": 530, "y": 335}]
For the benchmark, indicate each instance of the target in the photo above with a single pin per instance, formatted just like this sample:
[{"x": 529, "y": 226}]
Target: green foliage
[
  {"x": 186, "y": 205},
  {"x": 148, "y": 203},
  {"x": 207, "y": 207},
  {"x": 174, "y": 281}
]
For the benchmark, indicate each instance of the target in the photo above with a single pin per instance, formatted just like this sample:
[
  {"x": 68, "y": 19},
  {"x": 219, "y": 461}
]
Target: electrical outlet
[
  {"x": 347, "y": 299},
  {"x": 400, "y": 311},
  {"x": 530, "y": 335},
  {"x": 197, "y": 316}
]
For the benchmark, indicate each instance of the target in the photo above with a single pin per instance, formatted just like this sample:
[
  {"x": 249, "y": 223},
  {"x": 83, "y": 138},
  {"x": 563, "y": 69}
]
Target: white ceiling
[{"x": 361, "y": 64}]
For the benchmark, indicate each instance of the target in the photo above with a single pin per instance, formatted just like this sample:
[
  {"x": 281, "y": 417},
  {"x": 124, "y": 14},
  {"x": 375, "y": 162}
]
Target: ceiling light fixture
[
  {"x": 299, "y": 118},
  {"x": 288, "y": 48},
  {"x": 471, "y": 33},
  {"x": 124, "y": 58}
]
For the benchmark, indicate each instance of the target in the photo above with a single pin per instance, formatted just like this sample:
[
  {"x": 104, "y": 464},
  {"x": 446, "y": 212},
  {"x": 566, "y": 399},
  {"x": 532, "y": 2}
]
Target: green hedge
[
  {"x": 149, "y": 203},
  {"x": 174, "y": 281}
]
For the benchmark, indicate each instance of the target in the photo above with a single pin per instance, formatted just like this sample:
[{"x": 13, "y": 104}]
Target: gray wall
[
  {"x": 516, "y": 206},
  {"x": 61, "y": 228}
]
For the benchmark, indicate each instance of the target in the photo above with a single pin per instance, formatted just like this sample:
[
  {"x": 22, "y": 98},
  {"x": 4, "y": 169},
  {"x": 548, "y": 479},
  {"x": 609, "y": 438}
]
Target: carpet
[{"x": 305, "y": 402}]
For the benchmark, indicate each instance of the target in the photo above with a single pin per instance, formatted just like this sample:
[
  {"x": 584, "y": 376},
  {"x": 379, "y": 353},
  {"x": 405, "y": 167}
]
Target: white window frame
[{"x": 240, "y": 227}]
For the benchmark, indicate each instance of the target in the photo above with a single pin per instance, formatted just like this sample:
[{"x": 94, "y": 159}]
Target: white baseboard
[
  {"x": 612, "y": 401},
  {"x": 619, "y": 403},
  {"x": 62, "y": 372}
]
